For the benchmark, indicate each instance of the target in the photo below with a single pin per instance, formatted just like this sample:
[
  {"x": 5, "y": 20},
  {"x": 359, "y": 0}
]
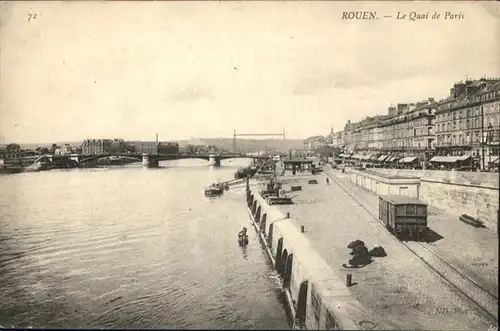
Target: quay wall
[
  {"x": 317, "y": 295},
  {"x": 456, "y": 193}
]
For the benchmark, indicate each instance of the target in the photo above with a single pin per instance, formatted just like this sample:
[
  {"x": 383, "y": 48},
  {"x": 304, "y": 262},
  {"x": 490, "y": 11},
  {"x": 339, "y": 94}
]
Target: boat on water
[
  {"x": 242, "y": 240},
  {"x": 214, "y": 191}
]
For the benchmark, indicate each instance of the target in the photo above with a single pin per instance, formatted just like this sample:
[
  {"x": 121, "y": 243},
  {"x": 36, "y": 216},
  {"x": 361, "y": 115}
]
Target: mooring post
[
  {"x": 349, "y": 280},
  {"x": 302, "y": 229}
]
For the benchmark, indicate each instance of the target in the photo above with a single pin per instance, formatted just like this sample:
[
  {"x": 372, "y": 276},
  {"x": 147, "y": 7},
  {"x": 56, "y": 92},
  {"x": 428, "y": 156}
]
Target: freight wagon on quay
[{"x": 404, "y": 217}]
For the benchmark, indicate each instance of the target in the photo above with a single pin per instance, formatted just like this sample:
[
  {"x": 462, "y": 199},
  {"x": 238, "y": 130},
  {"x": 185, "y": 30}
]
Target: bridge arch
[
  {"x": 91, "y": 158},
  {"x": 257, "y": 214},
  {"x": 279, "y": 252},
  {"x": 281, "y": 265},
  {"x": 300, "y": 312},
  {"x": 270, "y": 235},
  {"x": 250, "y": 201},
  {"x": 254, "y": 207},
  {"x": 263, "y": 224}
]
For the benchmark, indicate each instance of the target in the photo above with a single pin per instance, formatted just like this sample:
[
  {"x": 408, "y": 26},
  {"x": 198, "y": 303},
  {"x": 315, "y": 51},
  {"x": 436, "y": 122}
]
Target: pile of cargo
[{"x": 361, "y": 255}]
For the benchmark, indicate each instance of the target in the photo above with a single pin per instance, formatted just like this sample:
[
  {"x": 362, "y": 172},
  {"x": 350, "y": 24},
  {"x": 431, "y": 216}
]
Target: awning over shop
[
  {"x": 391, "y": 159},
  {"x": 356, "y": 156},
  {"x": 444, "y": 159},
  {"x": 383, "y": 157},
  {"x": 408, "y": 159},
  {"x": 450, "y": 159},
  {"x": 341, "y": 155},
  {"x": 495, "y": 160},
  {"x": 367, "y": 157}
]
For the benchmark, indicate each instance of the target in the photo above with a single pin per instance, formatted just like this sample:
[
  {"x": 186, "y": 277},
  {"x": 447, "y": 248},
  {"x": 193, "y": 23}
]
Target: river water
[{"x": 132, "y": 247}]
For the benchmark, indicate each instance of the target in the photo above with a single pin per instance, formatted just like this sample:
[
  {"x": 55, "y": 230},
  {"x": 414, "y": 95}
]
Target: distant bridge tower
[
  {"x": 234, "y": 141},
  {"x": 257, "y": 135}
]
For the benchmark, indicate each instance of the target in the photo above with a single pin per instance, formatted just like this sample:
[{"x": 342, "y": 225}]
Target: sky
[{"x": 201, "y": 69}]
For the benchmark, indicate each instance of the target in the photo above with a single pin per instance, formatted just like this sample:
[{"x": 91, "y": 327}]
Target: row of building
[
  {"x": 466, "y": 123},
  {"x": 111, "y": 146},
  {"x": 106, "y": 146}
]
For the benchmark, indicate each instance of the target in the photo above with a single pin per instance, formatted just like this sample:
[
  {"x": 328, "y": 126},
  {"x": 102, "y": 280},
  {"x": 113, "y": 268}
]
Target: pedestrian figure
[{"x": 327, "y": 180}]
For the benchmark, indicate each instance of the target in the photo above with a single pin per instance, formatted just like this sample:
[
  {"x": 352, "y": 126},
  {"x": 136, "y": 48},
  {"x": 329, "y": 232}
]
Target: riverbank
[{"x": 394, "y": 292}]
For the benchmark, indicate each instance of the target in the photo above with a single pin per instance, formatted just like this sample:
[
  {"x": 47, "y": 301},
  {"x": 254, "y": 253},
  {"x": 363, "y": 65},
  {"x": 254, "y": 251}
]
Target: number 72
[{"x": 31, "y": 16}]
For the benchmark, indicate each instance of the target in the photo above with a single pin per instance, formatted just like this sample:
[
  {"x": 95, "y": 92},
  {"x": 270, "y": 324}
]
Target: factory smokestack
[{"x": 157, "y": 138}]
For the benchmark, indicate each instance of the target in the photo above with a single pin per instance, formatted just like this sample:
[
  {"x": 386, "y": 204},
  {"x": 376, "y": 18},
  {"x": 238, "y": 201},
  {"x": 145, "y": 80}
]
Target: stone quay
[{"x": 413, "y": 287}]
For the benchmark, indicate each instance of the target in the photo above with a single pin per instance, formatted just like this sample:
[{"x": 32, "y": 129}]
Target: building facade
[
  {"x": 408, "y": 130},
  {"x": 314, "y": 142},
  {"x": 467, "y": 122},
  {"x": 103, "y": 146}
]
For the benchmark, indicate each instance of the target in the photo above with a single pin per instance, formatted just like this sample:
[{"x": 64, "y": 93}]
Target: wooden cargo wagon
[{"x": 403, "y": 216}]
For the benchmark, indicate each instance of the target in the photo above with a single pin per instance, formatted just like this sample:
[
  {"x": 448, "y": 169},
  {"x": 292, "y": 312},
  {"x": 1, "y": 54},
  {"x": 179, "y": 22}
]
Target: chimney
[
  {"x": 401, "y": 107},
  {"x": 469, "y": 87},
  {"x": 157, "y": 138},
  {"x": 459, "y": 89}
]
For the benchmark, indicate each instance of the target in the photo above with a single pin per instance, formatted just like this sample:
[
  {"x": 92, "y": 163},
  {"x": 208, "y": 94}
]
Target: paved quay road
[
  {"x": 398, "y": 289},
  {"x": 473, "y": 251},
  {"x": 130, "y": 247}
]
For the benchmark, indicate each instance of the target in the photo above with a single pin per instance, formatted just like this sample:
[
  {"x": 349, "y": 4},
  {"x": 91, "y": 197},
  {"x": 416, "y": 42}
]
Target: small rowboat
[{"x": 214, "y": 191}]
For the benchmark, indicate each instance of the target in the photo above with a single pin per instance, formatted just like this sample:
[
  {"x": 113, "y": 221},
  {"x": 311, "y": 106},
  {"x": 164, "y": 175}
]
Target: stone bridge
[{"x": 152, "y": 160}]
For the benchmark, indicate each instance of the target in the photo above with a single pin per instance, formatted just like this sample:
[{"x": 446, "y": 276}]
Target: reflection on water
[
  {"x": 131, "y": 247},
  {"x": 245, "y": 252}
]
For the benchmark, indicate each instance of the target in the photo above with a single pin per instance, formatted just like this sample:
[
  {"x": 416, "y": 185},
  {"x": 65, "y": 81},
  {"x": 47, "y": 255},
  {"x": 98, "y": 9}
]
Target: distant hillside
[
  {"x": 247, "y": 145},
  {"x": 242, "y": 145}
]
